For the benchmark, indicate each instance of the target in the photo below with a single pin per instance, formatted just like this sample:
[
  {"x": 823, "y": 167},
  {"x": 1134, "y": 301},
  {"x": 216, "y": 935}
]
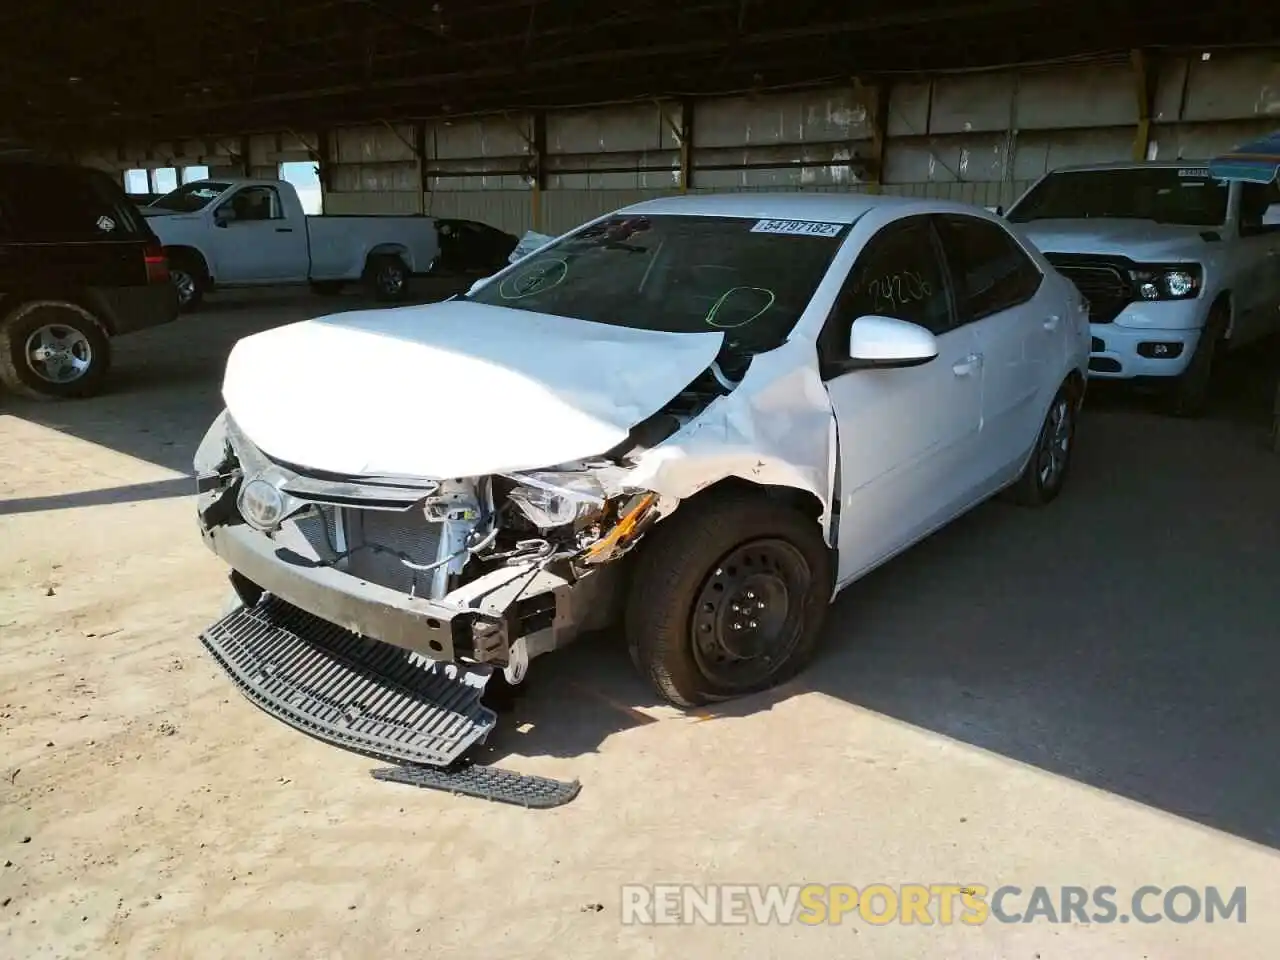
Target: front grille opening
[
  {"x": 1105, "y": 285},
  {"x": 374, "y": 543}
]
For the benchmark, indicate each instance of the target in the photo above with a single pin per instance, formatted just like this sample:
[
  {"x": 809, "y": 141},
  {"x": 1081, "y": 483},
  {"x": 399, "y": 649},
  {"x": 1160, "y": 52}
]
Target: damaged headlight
[{"x": 552, "y": 499}]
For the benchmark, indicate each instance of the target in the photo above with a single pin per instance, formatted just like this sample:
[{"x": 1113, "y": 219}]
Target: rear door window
[{"x": 45, "y": 203}]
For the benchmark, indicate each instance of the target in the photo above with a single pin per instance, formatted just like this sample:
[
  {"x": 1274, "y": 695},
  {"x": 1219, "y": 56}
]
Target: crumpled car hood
[{"x": 454, "y": 389}]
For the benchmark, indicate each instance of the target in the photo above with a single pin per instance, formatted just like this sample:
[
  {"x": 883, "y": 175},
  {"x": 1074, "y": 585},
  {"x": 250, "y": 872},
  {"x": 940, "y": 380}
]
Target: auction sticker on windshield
[{"x": 804, "y": 228}]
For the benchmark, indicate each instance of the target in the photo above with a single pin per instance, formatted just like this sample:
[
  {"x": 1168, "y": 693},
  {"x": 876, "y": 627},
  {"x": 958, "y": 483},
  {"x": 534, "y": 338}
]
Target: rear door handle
[
  {"x": 962, "y": 368},
  {"x": 1051, "y": 323}
]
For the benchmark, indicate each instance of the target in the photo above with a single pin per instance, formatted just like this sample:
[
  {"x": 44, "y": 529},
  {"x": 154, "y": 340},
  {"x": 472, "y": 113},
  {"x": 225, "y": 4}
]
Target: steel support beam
[
  {"x": 878, "y": 114},
  {"x": 1144, "y": 87},
  {"x": 686, "y": 145},
  {"x": 538, "y": 171}
]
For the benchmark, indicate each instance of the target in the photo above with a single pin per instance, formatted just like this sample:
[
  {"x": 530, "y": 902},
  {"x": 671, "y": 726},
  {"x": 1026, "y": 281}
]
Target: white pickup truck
[
  {"x": 1175, "y": 264},
  {"x": 243, "y": 233}
]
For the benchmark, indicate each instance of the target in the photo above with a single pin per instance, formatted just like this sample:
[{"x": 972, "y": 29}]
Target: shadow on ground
[
  {"x": 1125, "y": 637},
  {"x": 166, "y": 382}
]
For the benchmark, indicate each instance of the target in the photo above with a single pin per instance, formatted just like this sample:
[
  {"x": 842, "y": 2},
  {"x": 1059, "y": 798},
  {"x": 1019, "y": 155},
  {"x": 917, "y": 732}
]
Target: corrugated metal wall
[{"x": 980, "y": 137}]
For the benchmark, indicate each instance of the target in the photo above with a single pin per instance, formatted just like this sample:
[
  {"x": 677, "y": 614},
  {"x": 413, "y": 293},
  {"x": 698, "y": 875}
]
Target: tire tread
[
  {"x": 674, "y": 560},
  {"x": 11, "y": 377}
]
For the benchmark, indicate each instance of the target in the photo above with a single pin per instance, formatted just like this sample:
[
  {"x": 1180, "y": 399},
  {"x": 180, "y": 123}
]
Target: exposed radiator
[{"x": 376, "y": 540}]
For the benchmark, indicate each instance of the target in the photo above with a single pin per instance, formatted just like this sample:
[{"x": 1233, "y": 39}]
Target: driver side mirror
[
  {"x": 999, "y": 210},
  {"x": 223, "y": 215},
  {"x": 885, "y": 342}
]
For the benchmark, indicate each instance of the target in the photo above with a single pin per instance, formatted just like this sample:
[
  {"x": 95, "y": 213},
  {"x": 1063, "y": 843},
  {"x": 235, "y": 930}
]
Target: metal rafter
[{"x": 239, "y": 64}]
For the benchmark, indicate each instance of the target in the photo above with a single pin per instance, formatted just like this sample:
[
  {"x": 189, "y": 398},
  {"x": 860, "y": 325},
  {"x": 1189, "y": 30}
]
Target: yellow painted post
[
  {"x": 878, "y": 97},
  {"x": 539, "y": 150}
]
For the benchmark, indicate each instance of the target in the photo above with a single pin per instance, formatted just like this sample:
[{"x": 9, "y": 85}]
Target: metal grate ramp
[{"x": 368, "y": 697}]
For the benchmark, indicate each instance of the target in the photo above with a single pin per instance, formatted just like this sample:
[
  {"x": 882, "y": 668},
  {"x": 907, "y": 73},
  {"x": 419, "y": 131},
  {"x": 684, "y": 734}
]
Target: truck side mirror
[{"x": 223, "y": 215}]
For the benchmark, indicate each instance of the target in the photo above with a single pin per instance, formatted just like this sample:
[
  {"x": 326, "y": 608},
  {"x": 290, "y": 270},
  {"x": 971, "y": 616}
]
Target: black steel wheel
[
  {"x": 728, "y": 597},
  {"x": 746, "y": 619}
]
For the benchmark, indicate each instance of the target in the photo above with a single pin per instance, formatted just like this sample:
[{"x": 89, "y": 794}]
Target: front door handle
[
  {"x": 284, "y": 229},
  {"x": 962, "y": 368},
  {"x": 1051, "y": 323}
]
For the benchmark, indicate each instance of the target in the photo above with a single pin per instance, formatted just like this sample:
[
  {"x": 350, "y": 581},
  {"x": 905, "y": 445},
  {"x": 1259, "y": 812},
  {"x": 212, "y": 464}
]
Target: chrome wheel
[
  {"x": 184, "y": 283},
  {"x": 58, "y": 354},
  {"x": 1055, "y": 443}
]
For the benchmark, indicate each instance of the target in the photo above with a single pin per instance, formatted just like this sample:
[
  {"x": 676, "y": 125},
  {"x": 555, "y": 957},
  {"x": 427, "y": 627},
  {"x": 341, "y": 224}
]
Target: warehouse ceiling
[{"x": 161, "y": 69}]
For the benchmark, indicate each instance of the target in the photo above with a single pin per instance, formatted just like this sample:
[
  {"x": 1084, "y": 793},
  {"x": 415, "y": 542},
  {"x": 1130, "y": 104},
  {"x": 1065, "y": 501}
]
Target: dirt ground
[{"x": 1083, "y": 696}]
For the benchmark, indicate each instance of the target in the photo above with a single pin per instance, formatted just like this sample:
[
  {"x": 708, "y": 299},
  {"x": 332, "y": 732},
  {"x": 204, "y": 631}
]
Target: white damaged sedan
[{"x": 699, "y": 417}]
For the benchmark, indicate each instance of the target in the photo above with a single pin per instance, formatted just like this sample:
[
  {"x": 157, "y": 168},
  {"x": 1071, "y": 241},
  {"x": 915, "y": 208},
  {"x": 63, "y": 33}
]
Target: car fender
[{"x": 776, "y": 428}]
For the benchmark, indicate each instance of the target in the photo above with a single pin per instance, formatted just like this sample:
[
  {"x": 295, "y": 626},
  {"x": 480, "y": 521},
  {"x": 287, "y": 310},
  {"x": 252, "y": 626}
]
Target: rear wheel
[
  {"x": 1046, "y": 472},
  {"x": 388, "y": 277},
  {"x": 728, "y": 598},
  {"x": 53, "y": 350}
]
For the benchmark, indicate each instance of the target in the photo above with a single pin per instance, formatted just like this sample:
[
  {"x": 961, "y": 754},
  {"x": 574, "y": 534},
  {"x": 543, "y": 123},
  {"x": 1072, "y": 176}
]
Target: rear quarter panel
[
  {"x": 340, "y": 246},
  {"x": 1075, "y": 336}
]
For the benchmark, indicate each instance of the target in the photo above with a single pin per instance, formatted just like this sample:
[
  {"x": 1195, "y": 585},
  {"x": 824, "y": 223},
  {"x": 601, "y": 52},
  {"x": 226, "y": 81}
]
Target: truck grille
[
  {"x": 376, "y": 542},
  {"x": 1104, "y": 285}
]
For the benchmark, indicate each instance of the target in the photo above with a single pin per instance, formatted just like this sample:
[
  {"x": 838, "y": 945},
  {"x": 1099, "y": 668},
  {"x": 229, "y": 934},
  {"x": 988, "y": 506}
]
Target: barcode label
[{"x": 803, "y": 228}]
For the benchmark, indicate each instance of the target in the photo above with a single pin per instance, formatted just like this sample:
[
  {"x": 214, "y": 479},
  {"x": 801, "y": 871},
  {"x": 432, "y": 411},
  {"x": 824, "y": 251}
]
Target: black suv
[{"x": 78, "y": 265}]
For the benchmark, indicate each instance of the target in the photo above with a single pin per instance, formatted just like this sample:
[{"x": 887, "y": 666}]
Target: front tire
[
  {"x": 53, "y": 350},
  {"x": 728, "y": 598},
  {"x": 1189, "y": 395},
  {"x": 190, "y": 280},
  {"x": 1046, "y": 472}
]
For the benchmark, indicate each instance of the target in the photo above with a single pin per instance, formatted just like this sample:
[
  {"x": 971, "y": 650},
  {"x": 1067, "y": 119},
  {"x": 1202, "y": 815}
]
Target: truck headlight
[
  {"x": 554, "y": 498},
  {"x": 1172, "y": 282}
]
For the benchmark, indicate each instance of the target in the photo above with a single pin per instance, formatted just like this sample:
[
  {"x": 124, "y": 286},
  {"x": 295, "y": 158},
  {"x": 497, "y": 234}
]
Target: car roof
[{"x": 844, "y": 207}]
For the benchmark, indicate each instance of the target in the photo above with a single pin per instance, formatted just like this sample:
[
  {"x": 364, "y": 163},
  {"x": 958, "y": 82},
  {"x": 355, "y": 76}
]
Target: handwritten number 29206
[{"x": 895, "y": 290}]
